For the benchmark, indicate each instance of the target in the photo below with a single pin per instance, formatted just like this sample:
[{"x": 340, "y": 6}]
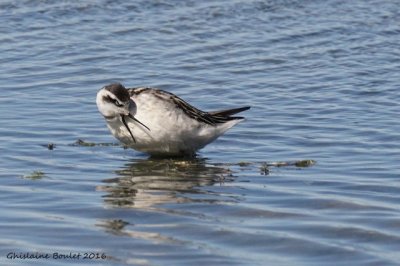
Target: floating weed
[
  {"x": 300, "y": 163},
  {"x": 113, "y": 225},
  {"x": 80, "y": 142},
  {"x": 305, "y": 163},
  {"x": 83, "y": 143},
  {"x": 35, "y": 175},
  {"x": 264, "y": 170},
  {"x": 49, "y": 146},
  {"x": 265, "y": 167},
  {"x": 244, "y": 164}
]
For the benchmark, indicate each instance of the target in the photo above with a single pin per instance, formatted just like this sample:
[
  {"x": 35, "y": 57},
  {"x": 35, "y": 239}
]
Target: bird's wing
[
  {"x": 229, "y": 112},
  {"x": 210, "y": 118}
]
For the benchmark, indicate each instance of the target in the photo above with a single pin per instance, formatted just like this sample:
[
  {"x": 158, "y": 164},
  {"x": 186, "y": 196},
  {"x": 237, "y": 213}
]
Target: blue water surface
[{"x": 322, "y": 78}]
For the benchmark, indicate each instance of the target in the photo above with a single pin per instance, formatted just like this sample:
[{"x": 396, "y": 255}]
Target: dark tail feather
[{"x": 229, "y": 112}]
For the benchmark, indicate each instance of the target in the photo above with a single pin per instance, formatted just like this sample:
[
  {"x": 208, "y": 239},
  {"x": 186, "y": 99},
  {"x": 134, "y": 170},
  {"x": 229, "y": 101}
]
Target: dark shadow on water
[{"x": 145, "y": 183}]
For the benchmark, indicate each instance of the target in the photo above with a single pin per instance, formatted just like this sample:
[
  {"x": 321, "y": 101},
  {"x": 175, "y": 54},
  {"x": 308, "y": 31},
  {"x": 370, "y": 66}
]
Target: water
[{"x": 322, "y": 79}]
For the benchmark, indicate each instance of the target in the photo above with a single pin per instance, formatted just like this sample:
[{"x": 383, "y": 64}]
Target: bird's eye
[
  {"x": 113, "y": 101},
  {"x": 118, "y": 104}
]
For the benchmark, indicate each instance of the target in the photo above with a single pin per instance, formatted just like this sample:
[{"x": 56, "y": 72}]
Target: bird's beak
[
  {"x": 132, "y": 111},
  {"x": 126, "y": 125},
  {"x": 134, "y": 119}
]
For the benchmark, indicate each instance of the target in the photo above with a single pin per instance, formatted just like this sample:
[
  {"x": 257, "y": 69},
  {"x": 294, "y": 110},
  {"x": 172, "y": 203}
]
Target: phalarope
[{"x": 160, "y": 123}]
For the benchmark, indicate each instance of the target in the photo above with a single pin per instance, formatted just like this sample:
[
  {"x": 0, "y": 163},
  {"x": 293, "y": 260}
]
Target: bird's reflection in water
[
  {"x": 148, "y": 182},
  {"x": 158, "y": 190}
]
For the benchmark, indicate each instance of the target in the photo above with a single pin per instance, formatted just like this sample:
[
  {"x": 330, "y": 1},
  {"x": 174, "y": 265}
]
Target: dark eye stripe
[
  {"x": 114, "y": 101},
  {"x": 118, "y": 104}
]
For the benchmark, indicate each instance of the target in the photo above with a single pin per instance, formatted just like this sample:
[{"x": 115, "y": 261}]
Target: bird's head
[{"x": 113, "y": 101}]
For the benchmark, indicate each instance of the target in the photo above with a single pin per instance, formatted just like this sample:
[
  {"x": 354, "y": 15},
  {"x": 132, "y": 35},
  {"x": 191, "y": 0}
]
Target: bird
[{"x": 159, "y": 123}]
